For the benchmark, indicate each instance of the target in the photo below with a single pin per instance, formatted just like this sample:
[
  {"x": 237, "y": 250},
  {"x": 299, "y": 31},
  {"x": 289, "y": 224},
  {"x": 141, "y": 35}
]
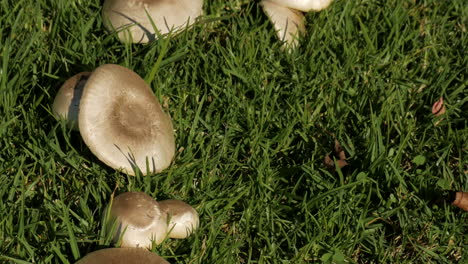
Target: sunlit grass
[{"x": 253, "y": 125}]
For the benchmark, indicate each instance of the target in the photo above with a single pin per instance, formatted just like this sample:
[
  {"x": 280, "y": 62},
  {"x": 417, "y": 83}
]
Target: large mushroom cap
[
  {"x": 304, "y": 5},
  {"x": 167, "y": 16},
  {"x": 137, "y": 220},
  {"x": 122, "y": 122},
  {"x": 183, "y": 218},
  {"x": 288, "y": 23},
  {"x": 67, "y": 100},
  {"x": 122, "y": 256}
]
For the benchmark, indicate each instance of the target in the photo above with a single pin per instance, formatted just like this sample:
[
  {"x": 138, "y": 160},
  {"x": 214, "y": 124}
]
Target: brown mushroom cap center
[
  {"x": 130, "y": 119},
  {"x": 139, "y": 210}
]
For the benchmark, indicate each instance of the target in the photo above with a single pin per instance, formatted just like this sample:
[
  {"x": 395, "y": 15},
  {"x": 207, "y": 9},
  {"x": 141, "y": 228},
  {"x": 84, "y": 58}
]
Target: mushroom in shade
[
  {"x": 288, "y": 23},
  {"x": 134, "y": 18},
  {"x": 123, "y": 124},
  {"x": 183, "y": 218},
  {"x": 136, "y": 220},
  {"x": 122, "y": 256},
  {"x": 67, "y": 100}
]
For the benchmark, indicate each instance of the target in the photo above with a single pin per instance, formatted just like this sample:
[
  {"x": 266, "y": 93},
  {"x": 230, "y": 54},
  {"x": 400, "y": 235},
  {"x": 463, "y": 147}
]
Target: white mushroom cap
[
  {"x": 137, "y": 220},
  {"x": 167, "y": 16},
  {"x": 67, "y": 100},
  {"x": 183, "y": 218},
  {"x": 122, "y": 256},
  {"x": 288, "y": 22},
  {"x": 122, "y": 122},
  {"x": 304, "y": 5}
]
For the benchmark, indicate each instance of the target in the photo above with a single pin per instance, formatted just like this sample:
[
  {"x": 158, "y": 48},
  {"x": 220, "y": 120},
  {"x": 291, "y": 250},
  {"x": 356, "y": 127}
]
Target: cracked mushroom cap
[
  {"x": 123, "y": 124},
  {"x": 288, "y": 23},
  {"x": 183, "y": 218},
  {"x": 304, "y": 5},
  {"x": 67, "y": 101},
  {"x": 167, "y": 16},
  {"x": 137, "y": 220},
  {"x": 122, "y": 256}
]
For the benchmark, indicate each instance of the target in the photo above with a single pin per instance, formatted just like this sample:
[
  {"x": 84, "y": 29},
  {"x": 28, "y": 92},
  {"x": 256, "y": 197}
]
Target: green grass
[{"x": 253, "y": 125}]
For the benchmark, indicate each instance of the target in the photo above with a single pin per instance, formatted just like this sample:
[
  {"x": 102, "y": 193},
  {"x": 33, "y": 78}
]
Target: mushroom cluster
[
  {"x": 119, "y": 119},
  {"x": 136, "y": 220},
  {"x": 140, "y": 21},
  {"x": 288, "y": 19}
]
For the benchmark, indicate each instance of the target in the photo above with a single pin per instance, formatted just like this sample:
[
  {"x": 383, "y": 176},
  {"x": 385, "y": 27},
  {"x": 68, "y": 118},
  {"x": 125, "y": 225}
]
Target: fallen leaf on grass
[
  {"x": 461, "y": 200},
  {"x": 339, "y": 150},
  {"x": 438, "y": 108},
  {"x": 340, "y": 157}
]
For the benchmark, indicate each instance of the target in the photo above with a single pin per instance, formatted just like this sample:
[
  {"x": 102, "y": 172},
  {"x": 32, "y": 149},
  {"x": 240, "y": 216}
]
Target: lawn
[{"x": 253, "y": 125}]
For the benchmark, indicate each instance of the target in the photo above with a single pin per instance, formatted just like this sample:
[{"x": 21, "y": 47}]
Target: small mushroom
[
  {"x": 304, "y": 5},
  {"x": 67, "y": 100},
  {"x": 183, "y": 218},
  {"x": 122, "y": 256},
  {"x": 123, "y": 124},
  {"x": 134, "y": 18},
  {"x": 137, "y": 220},
  {"x": 288, "y": 23}
]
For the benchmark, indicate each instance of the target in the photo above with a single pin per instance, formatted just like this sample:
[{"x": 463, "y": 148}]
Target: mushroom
[
  {"x": 287, "y": 17},
  {"x": 183, "y": 218},
  {"x": 123, "y": 124},
  {"x": 288, "y": 22},
  {"x": 304, "y": 5},
  {"x": 67, "y": 100},
  {"x": 136, "y": 219},
  {"x": 122, "y": 256},
  {"x": 135, "y": 20}
]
